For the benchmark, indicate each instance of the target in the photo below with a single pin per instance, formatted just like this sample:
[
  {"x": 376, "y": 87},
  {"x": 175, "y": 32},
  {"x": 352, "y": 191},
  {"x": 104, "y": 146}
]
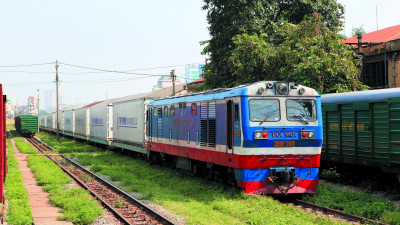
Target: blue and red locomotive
[{"x": 266, "y": 137}]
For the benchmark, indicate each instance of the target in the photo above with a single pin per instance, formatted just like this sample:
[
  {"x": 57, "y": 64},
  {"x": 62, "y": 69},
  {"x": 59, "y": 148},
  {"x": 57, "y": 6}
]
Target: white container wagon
[
  {"x": 68, "y": 127},
  {"x": 82, "y": 122},
  {"x": 129, "y": 128},
  {"x": 101, "y": 123},
  {"x": 42, "y": 119},
  {"x": 50, "y": 121}
]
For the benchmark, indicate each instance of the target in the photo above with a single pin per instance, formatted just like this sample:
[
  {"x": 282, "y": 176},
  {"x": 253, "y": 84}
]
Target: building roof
[
  {"x": 384, "y": 35},
  {"x": 197, "y": 81}
]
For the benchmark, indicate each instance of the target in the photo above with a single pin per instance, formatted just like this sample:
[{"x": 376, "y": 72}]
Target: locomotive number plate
[{"x": 278, "y": 144}]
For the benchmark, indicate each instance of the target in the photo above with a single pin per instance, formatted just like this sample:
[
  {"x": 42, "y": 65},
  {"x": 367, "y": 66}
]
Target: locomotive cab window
[
  {"x": 166, "y": 111},
  {"x": 301, "y": 110},
  {"x": 237, "y": 113},
  {"x": 262, "y": 110}
]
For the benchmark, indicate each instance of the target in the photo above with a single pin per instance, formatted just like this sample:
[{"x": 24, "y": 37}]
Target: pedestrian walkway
[{"x": 43, "y": 212}]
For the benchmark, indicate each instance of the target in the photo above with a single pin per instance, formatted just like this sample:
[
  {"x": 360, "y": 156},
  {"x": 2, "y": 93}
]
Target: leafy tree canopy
[
  {"x": 254, "y": 40},
  {"x": 309, "y": 55},
  {"x": 357, "y": 30}
]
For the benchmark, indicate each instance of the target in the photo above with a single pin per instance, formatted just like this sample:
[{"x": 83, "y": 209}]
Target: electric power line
[{"x": 26, "y": 65}]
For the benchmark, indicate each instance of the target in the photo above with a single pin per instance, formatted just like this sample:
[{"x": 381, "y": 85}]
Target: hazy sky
[{"x": 122, "y": 35}]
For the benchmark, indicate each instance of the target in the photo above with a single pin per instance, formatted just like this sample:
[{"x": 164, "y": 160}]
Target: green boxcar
[
  {"x": 363, "y": 128},
  {"x": 27, "y": 125}
]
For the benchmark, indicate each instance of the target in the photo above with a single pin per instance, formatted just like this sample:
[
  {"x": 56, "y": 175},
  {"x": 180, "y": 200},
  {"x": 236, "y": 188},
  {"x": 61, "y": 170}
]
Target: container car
[
  {"x": 51, "y": 122},
  {"x": 27, "y": 125},
  {"x": 101, "y": 123},
  {"x": 363, "y": 128},
  {"x": 82, "y": 121},
  {"x": 265, "y": 137},
  {"x": 42, "y": 119},
  {"x": 128, "y": 124}
]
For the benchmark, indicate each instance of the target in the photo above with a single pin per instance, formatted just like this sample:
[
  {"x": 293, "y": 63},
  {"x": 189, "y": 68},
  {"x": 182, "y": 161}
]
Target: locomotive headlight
[
  {"x": 307, "y": 135},
  {"x": 302, "y": 91},
  {"x": 261, "y": 90},
  {"x": 282, "y": 88},
  {"x": 261, "y": 135}
]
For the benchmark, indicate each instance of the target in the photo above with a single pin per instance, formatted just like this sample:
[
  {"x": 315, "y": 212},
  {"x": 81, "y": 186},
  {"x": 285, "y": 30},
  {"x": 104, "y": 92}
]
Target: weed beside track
[
  {"x": 23, "y": 146},
  {"x": 66, "y": 145}
]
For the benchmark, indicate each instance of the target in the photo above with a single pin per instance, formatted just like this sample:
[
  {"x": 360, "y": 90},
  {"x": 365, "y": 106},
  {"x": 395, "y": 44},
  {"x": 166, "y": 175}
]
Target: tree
[
  {"x": 311, "y": 55},
  {"x": 358, "y": 30},
  {"x": 228, "y": 19}
]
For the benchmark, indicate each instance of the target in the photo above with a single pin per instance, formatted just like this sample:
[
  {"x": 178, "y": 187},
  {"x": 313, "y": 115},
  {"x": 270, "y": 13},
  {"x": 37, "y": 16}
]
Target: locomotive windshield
[
  {"x": 264, "y": 110},
  {"x": 301, "y": 109}
]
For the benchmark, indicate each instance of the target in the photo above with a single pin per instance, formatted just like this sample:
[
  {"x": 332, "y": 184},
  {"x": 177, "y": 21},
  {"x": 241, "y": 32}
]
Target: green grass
[
  {"x": 19, "y": 210},
  {"x": 65, "y": 145},
  {"x": 23, "y": 146},
  {"x": 10, "y": 148},
  {"x": 77, "y": 206},
  {"x": 358, "y": 203},
  {"x": 198, "y": 200}
]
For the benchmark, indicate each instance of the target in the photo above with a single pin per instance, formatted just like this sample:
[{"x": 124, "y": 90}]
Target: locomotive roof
[
  {"x": 361, "y": 96},
  {"x": 220, "y": 93}
]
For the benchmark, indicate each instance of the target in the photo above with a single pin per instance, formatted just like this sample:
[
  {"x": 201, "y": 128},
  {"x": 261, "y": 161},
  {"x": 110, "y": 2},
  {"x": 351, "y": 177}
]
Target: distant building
[
  {"x": 50, "y": 101},
  {"x": 379, "y": 52},
  {"x": 11, "y": 107},
  {"x": 31, "y": 107},
  {"x": 193, "y": 72},
  {"x": 165, "y": 81},
  {"x": 190, "y": 86}
]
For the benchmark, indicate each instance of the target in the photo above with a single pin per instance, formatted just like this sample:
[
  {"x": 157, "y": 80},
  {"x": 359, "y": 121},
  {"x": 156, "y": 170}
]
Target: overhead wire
[
  {"x": 98, "y": 70},
  {"x": 26, "y": 65},
  {"x": 109, "y": 71}
]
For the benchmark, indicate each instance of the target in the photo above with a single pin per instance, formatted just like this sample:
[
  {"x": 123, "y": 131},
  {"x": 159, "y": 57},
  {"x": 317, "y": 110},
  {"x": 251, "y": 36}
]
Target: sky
[{"x": 145, "y": 38}]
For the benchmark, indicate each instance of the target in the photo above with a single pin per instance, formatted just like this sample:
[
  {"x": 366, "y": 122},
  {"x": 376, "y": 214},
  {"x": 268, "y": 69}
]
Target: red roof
[
  {"x": 384, "y": 35},
  {"x": 92, "y": 104},
  {"x": 197, "y": 81}
]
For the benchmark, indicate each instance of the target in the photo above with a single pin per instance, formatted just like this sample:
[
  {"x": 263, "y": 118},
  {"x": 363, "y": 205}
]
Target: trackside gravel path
[{"x": 43, "y": 212}]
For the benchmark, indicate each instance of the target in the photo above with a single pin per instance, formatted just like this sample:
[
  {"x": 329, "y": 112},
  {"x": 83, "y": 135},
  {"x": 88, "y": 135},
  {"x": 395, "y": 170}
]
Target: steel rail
[
  {"x": 142, "y": 206},
  {"x": 337, "y": 212}
]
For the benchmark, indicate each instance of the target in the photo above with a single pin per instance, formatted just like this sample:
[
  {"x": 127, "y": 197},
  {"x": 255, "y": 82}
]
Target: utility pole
[
  {"x": 58, "y": 122},
  {"x": 173, "y": 82},
  {"x": 38, "y": 111}
]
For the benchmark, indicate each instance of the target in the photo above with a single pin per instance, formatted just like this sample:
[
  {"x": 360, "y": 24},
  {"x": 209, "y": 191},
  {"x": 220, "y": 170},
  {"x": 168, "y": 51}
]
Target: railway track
[
  {"x": 125, "y": 208},
  {"x": 334, "y": 212}
]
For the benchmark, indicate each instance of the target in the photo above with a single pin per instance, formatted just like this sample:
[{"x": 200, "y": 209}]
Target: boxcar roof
[{"x": 361, "y": 96}]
